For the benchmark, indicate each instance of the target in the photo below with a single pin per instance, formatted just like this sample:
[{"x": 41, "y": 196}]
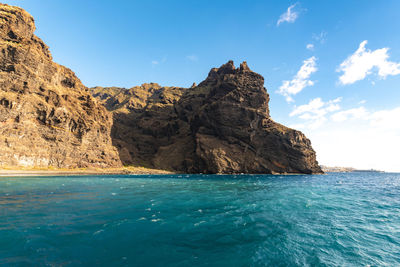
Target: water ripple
[{"x": 199, "y": 220}]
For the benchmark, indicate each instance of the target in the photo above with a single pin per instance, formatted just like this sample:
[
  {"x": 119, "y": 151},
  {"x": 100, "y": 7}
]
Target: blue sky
[{"x": 323, "y": 78}]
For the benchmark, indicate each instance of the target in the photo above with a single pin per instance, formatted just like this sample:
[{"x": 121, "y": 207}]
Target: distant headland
[{"x": 346, "y": 169}]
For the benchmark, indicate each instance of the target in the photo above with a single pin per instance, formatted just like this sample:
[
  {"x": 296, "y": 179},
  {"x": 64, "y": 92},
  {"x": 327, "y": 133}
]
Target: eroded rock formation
[
  {"x": 220, "y": 126},
  {"x": 47, "y": 117}
]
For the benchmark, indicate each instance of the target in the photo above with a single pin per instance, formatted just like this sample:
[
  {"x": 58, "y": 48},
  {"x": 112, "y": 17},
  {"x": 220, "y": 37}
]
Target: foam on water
[{"x": 245, "y": 220}]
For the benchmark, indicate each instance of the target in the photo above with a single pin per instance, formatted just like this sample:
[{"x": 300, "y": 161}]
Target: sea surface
[{"x": 341, "y": 219}]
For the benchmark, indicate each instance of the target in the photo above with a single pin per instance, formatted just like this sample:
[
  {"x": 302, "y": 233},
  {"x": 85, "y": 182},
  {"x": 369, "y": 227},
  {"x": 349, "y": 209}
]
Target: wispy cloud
[
  {"x": 310, "y": 47},
  {"x": 192, "y": 58},
  {"x": 300, "y": 80},
  {"x": 362, "y": 63},
  {"x": 320, "y": 37},
  {"x": 289, "y": 16},
  {"x": 159, "y": 62}
]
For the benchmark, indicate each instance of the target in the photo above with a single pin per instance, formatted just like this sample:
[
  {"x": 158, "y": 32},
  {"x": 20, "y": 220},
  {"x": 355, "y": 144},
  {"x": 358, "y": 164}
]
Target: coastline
[{"x": 15, "y": 172}]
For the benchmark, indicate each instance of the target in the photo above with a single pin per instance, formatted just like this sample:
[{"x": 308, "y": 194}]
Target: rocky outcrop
[
  {"x": 220, "y": 126},
  {"x": 47, "y": 117}
]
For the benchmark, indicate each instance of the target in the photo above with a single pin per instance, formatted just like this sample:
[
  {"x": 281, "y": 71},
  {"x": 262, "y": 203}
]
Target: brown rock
[
  {"x": 47, "y": 117},
  {"x": 145, "y": 122},
  {"x": 220, "y": 126},
  {"x": 233, "y": 131}
]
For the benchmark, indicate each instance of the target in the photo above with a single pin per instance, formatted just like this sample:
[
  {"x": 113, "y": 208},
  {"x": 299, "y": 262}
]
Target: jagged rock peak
[
  {"x": 244, "y": 67},
  {"x": 227, "y": 73},
  {"x": 228, "y": 68}
]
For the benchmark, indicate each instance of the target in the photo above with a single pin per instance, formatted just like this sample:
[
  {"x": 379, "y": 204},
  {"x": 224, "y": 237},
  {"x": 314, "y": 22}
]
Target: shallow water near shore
[{"x": 341, "y": 219}]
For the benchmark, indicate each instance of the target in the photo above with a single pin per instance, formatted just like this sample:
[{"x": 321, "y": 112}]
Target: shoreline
[
  {"x": 23, "y": 172},
  {"x": 15, "y": 172}
]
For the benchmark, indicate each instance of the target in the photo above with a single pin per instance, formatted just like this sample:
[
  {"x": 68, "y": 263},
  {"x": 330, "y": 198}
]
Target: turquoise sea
[{"x": 342, "y": 219}]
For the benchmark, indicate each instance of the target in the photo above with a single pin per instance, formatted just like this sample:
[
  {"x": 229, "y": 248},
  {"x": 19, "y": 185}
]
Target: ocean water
[{"x": 344, "y": 219}]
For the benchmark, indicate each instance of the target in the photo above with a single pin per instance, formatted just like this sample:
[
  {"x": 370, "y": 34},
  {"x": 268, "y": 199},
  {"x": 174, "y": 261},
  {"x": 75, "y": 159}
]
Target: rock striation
[
  {"x": 47, "y": 117},
  {"x": 221, "y": 125}
]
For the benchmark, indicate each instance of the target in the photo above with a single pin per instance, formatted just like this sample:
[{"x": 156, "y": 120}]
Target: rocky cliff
[
  {"x": 47, "y": 117},
  {"x": 220, "y": 126}
]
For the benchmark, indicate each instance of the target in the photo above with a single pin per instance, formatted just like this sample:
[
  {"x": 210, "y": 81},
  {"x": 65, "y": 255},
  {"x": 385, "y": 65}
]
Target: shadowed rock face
[
  {"x": 145, "y": 122},
  {"x": 220, "y": 126},
  {"x": 47, "y": 117}
]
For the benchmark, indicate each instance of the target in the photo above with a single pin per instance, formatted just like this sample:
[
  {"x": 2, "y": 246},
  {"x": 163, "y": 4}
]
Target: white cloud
[
  {"x": 315, "y": 111},
  {"x": 289, "y": 16},
  {"x": 312, "y": 106},
  {"x": 300, "y": 80},
  {"x": 369, "y": 142},
  {"x": 155, "y": 62},
  {"x": 386, "y": 119},
  {"x": 310, "y": 47},
  {"x": 354, "y": 113},
  {"x": 318, "y": 110},
  {"x": 360, "y": 64},
  {"x": 355, "y": 137},
  {"x": 192, "y": 58}
]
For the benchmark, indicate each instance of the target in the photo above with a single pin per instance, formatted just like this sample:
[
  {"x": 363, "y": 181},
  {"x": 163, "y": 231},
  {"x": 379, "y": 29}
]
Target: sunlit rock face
[{"x": 47, "y": 117}]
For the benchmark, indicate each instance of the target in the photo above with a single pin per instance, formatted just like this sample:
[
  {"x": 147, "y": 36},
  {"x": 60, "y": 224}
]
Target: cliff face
[
  {"x": 47, "y": 117},
  {"x": 220, "y": 126}
]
